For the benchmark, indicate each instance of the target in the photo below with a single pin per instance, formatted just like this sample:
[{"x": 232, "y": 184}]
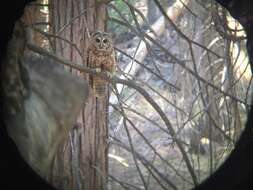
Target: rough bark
[
  {"x": 33, "y": 15},
  {"x": 73, "y": 20}
]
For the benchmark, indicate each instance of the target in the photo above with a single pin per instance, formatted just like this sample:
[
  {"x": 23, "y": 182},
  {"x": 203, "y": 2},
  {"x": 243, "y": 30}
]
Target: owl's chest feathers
[
  {"x": 101, "y": 53},
  {"x": 101, "y": 58}
]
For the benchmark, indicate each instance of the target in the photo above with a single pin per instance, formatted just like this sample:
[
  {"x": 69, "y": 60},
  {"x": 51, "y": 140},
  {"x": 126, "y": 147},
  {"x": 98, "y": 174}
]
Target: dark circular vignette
[
  {"x": 237, "y": 170},
  {"x": 235, "y": 173}
]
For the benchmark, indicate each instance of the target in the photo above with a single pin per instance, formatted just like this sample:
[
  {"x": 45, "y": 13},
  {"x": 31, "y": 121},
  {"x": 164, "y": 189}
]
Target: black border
[{"x": 235, "y": 173}]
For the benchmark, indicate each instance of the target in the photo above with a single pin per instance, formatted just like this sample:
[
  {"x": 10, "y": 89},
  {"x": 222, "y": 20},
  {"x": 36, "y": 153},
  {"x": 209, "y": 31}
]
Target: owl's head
[{"x": 102, "y": 41}]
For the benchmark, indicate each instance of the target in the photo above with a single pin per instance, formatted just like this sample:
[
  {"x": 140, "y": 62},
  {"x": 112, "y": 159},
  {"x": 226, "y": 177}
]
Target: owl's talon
[{"x": 108, "y": 74}]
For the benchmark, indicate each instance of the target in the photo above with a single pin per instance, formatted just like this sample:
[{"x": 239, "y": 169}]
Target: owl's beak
[{"x": 100, "y": 46}]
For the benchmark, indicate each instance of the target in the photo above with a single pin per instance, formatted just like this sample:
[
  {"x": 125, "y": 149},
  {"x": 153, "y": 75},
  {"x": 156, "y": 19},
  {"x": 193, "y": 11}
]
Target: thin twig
[
  {"x": 130, "y": 142},
  {"x": 180, "y": 32},
  {"x": 131, "y": 84},
  {"x": 49, "y": 35},
  {"x": 154, "y": 150},
  {"x": 182, "y": 64}
]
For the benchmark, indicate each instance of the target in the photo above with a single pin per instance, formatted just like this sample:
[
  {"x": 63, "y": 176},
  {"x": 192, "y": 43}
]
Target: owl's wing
[
  {"x": 88, "y": 58},
  {"x": 89, "y": 65},
  {"x": 111, "y": 65},
  {"x": 114, "y": 66}
]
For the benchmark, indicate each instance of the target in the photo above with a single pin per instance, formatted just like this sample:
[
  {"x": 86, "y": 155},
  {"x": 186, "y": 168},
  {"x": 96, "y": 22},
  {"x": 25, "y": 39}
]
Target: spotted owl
[{"x": 101, "y": 57}]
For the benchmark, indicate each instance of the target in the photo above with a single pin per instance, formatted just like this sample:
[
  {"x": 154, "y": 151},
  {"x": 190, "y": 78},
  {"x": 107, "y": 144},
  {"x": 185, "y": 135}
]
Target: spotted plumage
[{"x": 102, "y": 58}]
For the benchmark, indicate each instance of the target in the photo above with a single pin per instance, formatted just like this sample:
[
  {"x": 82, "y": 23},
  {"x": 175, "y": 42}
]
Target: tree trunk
[
  {"x": 73, "y": 20},
  {"x": 32, "y": 16}
]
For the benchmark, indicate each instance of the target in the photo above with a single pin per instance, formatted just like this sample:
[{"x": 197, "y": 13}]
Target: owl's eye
[
  {"x": 105, "y": 41},
  {"x": 97, "y": 40}
]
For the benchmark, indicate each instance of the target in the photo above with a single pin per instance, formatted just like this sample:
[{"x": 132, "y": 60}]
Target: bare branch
[{"x": 131, "y": 84}]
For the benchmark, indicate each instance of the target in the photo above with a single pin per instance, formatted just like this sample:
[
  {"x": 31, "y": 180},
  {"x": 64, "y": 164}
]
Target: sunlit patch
[
  {"x": 204, "y": 141},
  {"x": 119, "y": 159}
]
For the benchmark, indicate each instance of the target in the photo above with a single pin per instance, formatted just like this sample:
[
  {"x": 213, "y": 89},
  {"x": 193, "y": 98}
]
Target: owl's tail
[{"x": 99, "y": 87}]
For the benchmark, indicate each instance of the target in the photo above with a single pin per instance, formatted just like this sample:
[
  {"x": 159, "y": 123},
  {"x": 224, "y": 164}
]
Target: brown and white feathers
[{"x": 102, "y": 58}]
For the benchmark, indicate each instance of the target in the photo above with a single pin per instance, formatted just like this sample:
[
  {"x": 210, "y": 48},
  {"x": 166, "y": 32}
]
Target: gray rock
[{"x": 41, "y": 103}]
